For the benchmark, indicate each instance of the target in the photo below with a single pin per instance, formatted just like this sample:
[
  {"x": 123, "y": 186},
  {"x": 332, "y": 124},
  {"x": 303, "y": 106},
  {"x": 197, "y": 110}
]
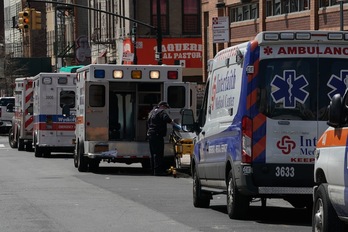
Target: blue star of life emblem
[
  {"x": 338, "y": 84},
  {"x": 289, "y": 89}
]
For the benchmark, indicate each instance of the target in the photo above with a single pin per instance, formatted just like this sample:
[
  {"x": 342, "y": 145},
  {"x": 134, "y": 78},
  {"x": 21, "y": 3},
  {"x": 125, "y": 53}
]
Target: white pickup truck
[
  {"x": 330, "y": 208},
  {"x": 6, "y": 113}
]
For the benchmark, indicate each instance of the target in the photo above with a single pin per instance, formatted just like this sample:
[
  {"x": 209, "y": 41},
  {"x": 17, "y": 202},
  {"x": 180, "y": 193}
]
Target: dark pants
[{"x": 157, "y": 149}]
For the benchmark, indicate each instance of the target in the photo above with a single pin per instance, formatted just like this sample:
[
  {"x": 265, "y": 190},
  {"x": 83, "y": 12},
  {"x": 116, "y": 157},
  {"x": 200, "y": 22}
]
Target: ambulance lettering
[
  {"x": 220, "y": 86},
  {"x": 310, "y": 50},
  {"x": 289, "y": 89},
  {"x": 306, "y": 148}
]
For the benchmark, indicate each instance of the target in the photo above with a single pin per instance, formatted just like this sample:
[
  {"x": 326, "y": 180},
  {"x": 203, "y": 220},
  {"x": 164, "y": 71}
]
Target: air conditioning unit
[{"x": 180, "y": 62}]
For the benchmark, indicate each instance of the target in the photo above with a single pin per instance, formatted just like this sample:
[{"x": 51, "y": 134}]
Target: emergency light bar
[
  {"x": 335, "y": 36},
  {"x": 99, "y": 73},
  {"x": 154, "y": 74},
  {"x": 47, "y": 80},
  {"x": 117, "y": 74},
  {"x": 275, "y": 36},
  {"x": 173, "y": 75},
  {"x": 136, "y": 74}
]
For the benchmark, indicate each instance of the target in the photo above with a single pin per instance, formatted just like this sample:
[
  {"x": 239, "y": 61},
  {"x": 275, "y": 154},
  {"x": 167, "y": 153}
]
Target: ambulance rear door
[
  {"x": 96, "y": 112},
  {"x": 66, "y": 123}
]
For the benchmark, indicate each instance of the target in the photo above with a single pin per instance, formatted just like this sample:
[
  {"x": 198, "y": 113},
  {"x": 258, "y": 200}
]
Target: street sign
[{"x": 221, "y": 30}]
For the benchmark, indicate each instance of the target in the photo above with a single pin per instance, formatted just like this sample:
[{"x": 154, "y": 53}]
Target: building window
[
  {"x": 164, "y": 15},
  {"x": 244, "y": 12},
  {"x": 325, "y": 3},
  {"x": 191, "y": 17},
  {"x": 278, "y": 7}
]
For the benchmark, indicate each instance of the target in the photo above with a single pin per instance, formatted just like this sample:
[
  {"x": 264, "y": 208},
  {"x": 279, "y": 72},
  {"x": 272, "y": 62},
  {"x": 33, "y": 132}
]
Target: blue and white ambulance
[{"x": 264, "y": 108}]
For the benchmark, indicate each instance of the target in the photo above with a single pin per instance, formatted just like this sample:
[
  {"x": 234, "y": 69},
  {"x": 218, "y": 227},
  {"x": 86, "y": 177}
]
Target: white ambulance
[
  {"x": 330, "y": 209},
  {"x": 21, "y": 132},
  {"x": 113, "y": 102},
  {"x": 264, "y": 109},
  {"x": 54, "y": 113}
]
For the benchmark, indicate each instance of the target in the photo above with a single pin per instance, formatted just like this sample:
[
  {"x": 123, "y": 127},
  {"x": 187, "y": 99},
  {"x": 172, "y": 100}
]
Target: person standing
[{"x": 157, "y": 130}]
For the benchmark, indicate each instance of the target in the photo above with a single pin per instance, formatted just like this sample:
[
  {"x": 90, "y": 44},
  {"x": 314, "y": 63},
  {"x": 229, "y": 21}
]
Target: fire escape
[{"x": 65, "y": 43}]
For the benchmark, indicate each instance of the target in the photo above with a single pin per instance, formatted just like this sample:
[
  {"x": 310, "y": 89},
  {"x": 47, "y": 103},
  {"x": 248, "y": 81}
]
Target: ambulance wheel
[
  {"x": 146, "y": 164},
  {"x": 93, "y": 165},
  {"x": 20, "y": 145},
  {"x": 201, "y": 199},
  {"x": 37, "y": 151},
  {"x": 11, "y": 139},
  {"x": 237, "y": 204},
  {"x": 324, "y": 216},
  {"x": 82, "y": 161},
  {"x": 29, "y": 146},
  {"x": 47, "y": 153},
  {"x": 76, "y": 163}
]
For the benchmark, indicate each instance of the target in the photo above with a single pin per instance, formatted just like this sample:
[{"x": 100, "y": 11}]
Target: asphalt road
[{"x": 50, "y": 195}]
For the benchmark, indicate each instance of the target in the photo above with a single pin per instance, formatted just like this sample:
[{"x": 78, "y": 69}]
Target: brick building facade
[{"x": 249, "y": 17}]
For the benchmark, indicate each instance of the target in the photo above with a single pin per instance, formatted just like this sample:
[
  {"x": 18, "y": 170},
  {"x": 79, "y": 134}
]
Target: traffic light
[
  {"x": 36, "y": 20},
  {"x": 24, "y": 19}
]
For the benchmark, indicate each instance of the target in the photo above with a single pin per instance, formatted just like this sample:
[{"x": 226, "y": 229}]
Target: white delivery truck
[
  {"x": 54, "y": 113},
  {"x": 112, "y": 106},
  {"x": 264, "y": 109},
  {"x": 21, "y": 132}
]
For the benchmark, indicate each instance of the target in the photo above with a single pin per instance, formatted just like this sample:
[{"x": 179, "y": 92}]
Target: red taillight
[
  {"x": 247, "y": 131},
  {"x": 172, "y": 75}
]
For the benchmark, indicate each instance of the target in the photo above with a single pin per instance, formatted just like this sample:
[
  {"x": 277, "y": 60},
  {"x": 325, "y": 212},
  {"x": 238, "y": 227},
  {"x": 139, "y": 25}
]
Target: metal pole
[
  {"x": 135, "y": 59},
  {"x": 341, "y": 15},
  {"x": 159, "y": 33}
]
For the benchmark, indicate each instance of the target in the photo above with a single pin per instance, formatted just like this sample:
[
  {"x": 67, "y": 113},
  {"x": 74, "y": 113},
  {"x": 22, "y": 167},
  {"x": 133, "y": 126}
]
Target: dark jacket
[{"x": 157, "y": 122}]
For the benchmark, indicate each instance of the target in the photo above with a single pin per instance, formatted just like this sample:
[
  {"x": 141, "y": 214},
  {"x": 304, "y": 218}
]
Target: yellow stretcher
[{"x": 183, "y": 151}]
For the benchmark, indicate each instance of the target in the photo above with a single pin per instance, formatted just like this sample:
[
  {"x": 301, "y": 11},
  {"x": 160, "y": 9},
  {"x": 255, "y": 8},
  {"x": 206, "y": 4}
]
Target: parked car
[
  {"x": 6, "y": 113},
  {"x": 330, "y": 208}
]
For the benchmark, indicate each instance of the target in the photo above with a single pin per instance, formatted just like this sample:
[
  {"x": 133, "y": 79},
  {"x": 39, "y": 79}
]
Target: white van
[
  {"x": 6, "y": 113},
  {"x": 330, "y": 209},
  {"x": 264, "y": 109}
]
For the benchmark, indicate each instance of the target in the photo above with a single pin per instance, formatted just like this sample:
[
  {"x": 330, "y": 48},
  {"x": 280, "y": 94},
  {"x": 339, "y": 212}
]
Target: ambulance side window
[
  {"x": 97, "y": 95},
  {"x": 202, "y": 116}
]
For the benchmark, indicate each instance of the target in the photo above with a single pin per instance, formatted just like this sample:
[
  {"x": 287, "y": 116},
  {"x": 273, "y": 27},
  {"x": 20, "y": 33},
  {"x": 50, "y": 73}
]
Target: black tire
[
  {"x": 324, "y": 216},
  {"x": 201, "y": 199},
  {"x": 11, "y": 139},
  {"x": 237, "y": 204},
  {"x": 93, "y": 165},
  {"x": 29, "y": 146},
  {"x": 37, "y": 151},
  {"x": 82, "y": 161},
  {"x": 76, "y": 162},
  {"x": 146, "y": 164},
  {"x": 21, "y": 145}
]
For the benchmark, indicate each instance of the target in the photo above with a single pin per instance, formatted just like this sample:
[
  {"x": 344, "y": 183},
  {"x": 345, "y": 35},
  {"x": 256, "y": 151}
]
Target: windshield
[{"x": 300, "y": 88}]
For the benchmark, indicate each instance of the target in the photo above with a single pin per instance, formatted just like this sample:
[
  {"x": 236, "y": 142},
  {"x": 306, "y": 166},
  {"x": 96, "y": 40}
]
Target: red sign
[{"x": 174, "y": 51}]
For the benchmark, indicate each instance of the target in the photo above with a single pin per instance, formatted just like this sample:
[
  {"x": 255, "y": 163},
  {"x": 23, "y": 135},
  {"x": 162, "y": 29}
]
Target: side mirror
[
  {"x": 335, "y": 111},
  {"x": 66, "y": 111},
  {"x": 9, "y": 107}
]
